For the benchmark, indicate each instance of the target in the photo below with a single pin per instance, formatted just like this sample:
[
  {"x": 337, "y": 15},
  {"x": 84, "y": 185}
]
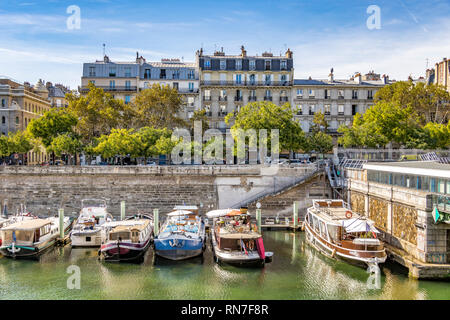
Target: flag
[
  {"x": 368, "y": 228},
  {"x": 14, "y": 236},
  {"x": 243, "y": 246}
]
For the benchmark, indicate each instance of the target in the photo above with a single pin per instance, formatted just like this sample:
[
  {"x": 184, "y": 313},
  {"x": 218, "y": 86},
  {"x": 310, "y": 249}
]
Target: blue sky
[{"x": 36, "y": 43}]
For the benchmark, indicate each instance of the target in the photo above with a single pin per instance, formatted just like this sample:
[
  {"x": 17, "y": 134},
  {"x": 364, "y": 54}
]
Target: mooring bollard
[
  {"x": 155, "y": 222},
  {"x": 122, "y": 210},
  {"x": 295, "y": 214},
  {"x": 61, "y": 223},
  {"x": 258, "y": 220}
]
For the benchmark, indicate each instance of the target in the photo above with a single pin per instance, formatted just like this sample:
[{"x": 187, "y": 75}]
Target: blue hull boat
[{"x": 182, "y": 236}]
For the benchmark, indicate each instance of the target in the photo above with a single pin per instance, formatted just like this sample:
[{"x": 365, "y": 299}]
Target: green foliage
[
  {"x": 158, "y": 107},
  {"x": 51, "y": 124},
  {"x": 151, "y": 141},
  {"x": 267, "y": 115},
  {"x": 98, "y": 113},
  {"x": 19, "y": 142},
  {"x": 320, "y": 142},
  {"x": 65, "y": 144},
  {"x": 120, "y": 142}
]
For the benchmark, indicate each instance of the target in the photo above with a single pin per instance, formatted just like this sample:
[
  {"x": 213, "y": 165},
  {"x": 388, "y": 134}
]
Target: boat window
[
  {"x": 334, "y": 232},
  {"x": 24, "y": 235},
  {"x": 124, "y": 235}
]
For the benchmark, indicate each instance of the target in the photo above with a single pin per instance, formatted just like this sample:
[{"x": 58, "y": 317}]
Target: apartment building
[
  {"x": 228, "y": 82},
  {"x": 440, "y": 74},
  {"x": 124, "y": 80},
  {"x": 20, "y": 103},
  {"x": 338, "y": 99},
  {"x": 57, "y": 95}
]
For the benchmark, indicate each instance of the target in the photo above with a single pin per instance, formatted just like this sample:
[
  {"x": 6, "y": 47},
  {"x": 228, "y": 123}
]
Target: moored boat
[
  {"x": 87, "y": 230},
  {"x": 30, "y": 238},
  {"x": 182, "y": 235},
  {"x": 127, "y": 240},
  {"x": 235, "y": 240},
  {"x": 338, "y": 232}
]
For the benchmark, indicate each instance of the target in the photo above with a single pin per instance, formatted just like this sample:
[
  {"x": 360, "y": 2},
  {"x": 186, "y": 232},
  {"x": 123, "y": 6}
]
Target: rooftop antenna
[{"x": 104, "y": 53}]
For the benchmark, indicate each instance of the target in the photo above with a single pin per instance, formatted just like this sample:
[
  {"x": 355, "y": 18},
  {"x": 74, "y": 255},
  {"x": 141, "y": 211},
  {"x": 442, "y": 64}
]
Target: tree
[
  {"x": 148, "y": 137},
  {"x": 158, "y": 107},
  {"x": 4, "y": 146},
  {"x": 98, "y": 113},
  {"x": 319, "y": 123},
  {"x": 320, "y": 142},
  {"x": 199, "y": 115},
  {"x": 429, "y": 102},
  {"x": 120, "y": 142},
  {"x": 267, "y": 115},
  {"x": 66, "y": 144}
]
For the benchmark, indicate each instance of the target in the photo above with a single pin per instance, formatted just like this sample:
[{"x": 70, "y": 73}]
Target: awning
[
  {"x": 179, "y": 213},
  {"x": 224, "y": 212},
  {"x": 358, "y": 225}
]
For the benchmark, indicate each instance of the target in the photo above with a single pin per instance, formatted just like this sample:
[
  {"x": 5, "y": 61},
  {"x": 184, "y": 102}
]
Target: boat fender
[{"x": 348, "y": 214}]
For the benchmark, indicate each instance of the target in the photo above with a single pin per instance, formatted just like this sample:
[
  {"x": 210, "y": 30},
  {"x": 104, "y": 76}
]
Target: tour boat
[
  {"x": 182, "y": 235},
  {"x": 127, "y": 240},
  {"x": 338, "y": 232},
  {"x": 87, "y": 231},
  {"x": 29, "y": 238},
  {"x": 235, "y": 240}
]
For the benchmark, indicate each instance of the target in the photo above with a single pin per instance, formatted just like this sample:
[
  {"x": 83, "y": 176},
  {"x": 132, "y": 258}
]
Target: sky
[{"x": 36, "y": 42}]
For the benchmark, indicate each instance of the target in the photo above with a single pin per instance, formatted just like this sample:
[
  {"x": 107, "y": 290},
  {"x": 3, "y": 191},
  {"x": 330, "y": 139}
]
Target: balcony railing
[
  {"x": 267, "y": 98},
  {"x": 246, "y": 83},
  {"x": 251, "y": 98},
  {"x": 284, "y": 99},
  {"x": 223, "y": 98},
  {"x": 207, "y": 98},
  {"x": 112, "y": 89},
  {"x": 237, "y": 98}
]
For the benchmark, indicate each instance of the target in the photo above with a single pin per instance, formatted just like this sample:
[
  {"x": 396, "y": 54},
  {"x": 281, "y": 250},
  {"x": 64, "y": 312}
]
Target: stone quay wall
[{"x": 43, "y": 190}]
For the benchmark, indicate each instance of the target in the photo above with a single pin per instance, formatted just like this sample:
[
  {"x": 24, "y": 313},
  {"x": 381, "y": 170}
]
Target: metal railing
[{"x": 247, "y": 83}]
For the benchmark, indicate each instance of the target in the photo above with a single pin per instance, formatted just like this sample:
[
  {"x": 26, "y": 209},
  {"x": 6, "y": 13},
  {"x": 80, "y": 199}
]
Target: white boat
[
  {"x": 87, "y": 231},
  {"x": 235, "y": 240},
  {"x": 29, "y": 238},
  {"x": 338, "y": 232}
]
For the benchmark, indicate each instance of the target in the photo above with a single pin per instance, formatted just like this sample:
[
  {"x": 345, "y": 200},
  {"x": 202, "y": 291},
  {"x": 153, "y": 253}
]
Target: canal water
[{"x": 297, "y": 272}]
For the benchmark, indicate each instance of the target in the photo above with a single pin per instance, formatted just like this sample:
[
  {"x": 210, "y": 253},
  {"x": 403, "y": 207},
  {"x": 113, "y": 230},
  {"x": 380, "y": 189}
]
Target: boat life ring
[
  {"x": 251, "y": 245},
  {"x": 348, "y": 214}
]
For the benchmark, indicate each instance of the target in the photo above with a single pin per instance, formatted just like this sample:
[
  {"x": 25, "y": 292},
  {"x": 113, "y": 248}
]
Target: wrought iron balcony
[
  {"x": 247, "y": 83},
  {"x": 225, "y": 98},
  {"x": 252, "y": 98},
  {"x": 113, "y": 89},
  {"x": 266, "y": 98},
  {"x": 284, "y": 99},
  {"x": 237, "y": 98}
]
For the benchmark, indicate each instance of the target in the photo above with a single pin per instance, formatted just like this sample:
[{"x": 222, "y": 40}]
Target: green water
[{"x": 297, "y": 272}]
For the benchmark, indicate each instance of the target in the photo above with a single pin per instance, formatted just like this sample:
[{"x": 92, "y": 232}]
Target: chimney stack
[
  {"x": 243, "y": 52},
  {"x": 289, "y": 54}
]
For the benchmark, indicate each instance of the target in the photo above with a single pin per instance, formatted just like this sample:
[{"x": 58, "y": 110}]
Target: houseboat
[
  {"x": 29, "y": 238},
  {"x": 235, "y": 240},
  {"x": 87, "y": 230},
  {"x": 338, "y": 232},
  {"x": 127, "y": 240},
  {"x": 182, "y": 235}
]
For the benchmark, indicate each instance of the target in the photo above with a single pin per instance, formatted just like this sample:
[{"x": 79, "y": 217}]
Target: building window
[
  {"x": 340, "y": 94},
  {"x": 147, "y": 74},
  {"x": 175, "y": 85},
  {"x": 283, "y": 65},
  {"x": 3, "y": 103},
  {"x": 354, "y": 94},
  {"x": 223, "y": 64},
  {"x": 354, "y": 109},
  {"x": 3, "y": 120},
  {"x": 327, "y": 109},
  {"x": 283, "y": 78},
  {"x": 299, "y": 110},
  {"x": 128, "y": 84},
  {"x": 127, "y": 72},
  {"x": 300, "y": 93},
  {"x": 207, "y": 64},
  {"x": 312, "y": 110},
  {"x": 162, "y": 74},
  {"x": 207, "y": 95},
  {"x": 268, "y": 79},
  {"x": 267, "y": 64},
  {"x": 112, "y": 72},
  {"x": 327, "y": 94},
  {"x": 238, "y": 64},
  {"x": 252, "y": 79},
  {"x": 252, "y": 64},
  {"x": 17, "y": 120},
  {"x": 312, "y": 93},
  {"x": 176, "y": 74},
  {"x": 91, "y": 71},
  {"x": 127, "y": 99},
  {"x": 341, "y": 109},
  {"x": 191, "y": 86},
  {"x": 191, "y": 74},
  {"x": 112, "y": 84},
  {"x": 370, "y": 94},
  {"x": 238, "y": 79}
]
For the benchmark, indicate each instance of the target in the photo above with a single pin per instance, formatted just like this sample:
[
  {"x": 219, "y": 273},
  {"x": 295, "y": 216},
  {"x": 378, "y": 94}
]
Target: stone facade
[
  {"x": 378, "y": 210},
  {"x": 45, "y": 189},
  {"x": 357, "y": 203},
  {"x": 404, "y": 223}
]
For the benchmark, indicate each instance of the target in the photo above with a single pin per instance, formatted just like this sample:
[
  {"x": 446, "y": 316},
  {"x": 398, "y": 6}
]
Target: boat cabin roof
[
  {"x": 333, "y": 211},
  {"x": 28, "y": 225},
  {"x": 240, "y": 235},
  {"x": 127, "y": 226}
]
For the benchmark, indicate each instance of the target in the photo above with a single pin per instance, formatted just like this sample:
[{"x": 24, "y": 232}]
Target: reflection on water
[{"x": 297, "y": 272}]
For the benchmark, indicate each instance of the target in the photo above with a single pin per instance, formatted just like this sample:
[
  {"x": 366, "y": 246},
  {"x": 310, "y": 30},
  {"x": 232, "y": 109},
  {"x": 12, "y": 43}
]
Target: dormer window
[
  {"x": 112, "y": 72},
  {"x": 283, "y": 65},
  {"x": 127, "y": 72},
  {"x": 91, "y": 71},
  {"x": 207, "y": 64},
  {"x": 223, "y": 64},
  {"x": 238, "y": 64},
  {"x": 252, "y": 64},
  {"x": 267, "y": 64}
]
